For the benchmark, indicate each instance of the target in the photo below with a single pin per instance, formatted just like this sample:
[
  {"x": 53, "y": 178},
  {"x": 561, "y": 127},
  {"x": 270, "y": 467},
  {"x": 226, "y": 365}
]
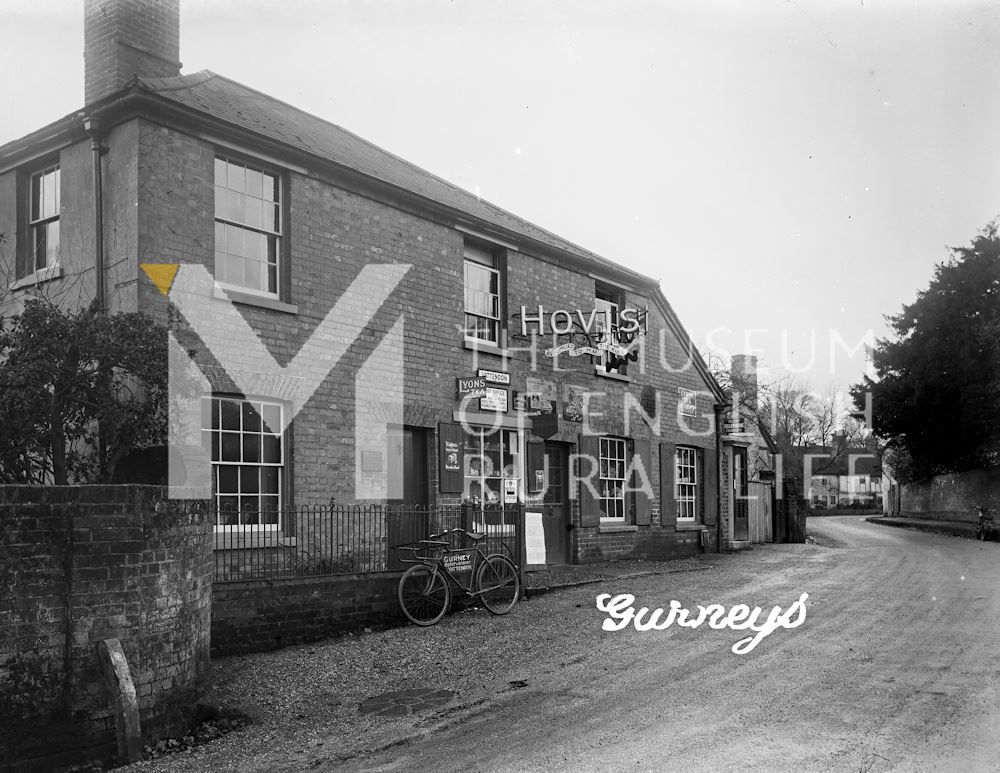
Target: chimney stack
[
  {"x": 122, "y": 38},
  {"x": 744, "y": 373}
]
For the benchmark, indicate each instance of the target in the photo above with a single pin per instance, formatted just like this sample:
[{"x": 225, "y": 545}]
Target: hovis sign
[{"x": 563, "y": 322}]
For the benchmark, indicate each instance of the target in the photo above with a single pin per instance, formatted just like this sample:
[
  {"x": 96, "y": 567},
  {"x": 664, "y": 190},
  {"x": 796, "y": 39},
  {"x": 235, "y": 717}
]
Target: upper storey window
[
  {"x": 43, "y": 221},
  {"x": 483, "y": 294},
  {"x": 248, "y": 226}
]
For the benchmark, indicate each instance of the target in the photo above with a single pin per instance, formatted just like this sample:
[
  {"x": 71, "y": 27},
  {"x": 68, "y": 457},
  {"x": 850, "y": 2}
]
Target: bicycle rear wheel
[
  {"x": 498, "y": 584},
  {"x": 424, "y": 594}
]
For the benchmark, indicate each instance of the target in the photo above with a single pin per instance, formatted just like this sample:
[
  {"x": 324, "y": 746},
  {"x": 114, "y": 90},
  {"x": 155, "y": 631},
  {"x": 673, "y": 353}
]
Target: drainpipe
[
  {"x": 93, "y": 127},
  {"x": 718, "y": 474}
]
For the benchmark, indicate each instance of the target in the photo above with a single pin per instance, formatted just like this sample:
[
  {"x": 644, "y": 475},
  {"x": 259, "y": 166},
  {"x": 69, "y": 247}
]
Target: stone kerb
[{"x": 81, "y": 564}]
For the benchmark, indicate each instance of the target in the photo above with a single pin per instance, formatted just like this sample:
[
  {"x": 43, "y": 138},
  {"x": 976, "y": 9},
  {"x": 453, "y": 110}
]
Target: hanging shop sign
[
  {"x": 564, "y": 322},
  {"x": 596, "y": 332}
]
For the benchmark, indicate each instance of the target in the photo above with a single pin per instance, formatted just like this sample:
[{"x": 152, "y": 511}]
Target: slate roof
[
  {"x": 217, "y": 98},
  {"x": 225, "y": 99}
]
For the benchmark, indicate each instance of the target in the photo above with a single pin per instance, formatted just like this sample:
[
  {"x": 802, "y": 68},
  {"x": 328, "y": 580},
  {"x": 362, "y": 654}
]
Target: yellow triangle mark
[{"x": 162, "y": 274}]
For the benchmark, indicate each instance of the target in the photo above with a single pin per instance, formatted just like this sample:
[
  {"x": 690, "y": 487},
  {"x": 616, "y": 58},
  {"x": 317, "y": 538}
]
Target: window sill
[
  {"x": 484, "y": 347},
  {"x": 611, "y": 528},
  {"x": 689, "y": 526},
  {"x": 252, "y": 538},
  {"x": 42, "y": 275},
  {"x": 252, "y": 299},
  {"x": 602, "y": 373}
]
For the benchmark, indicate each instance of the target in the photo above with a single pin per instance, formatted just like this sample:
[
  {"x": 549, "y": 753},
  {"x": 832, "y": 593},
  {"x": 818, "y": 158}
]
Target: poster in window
[
  {"x": 573, "y": 402},
  {"x": 451, "y": 450},
  {"x": 540, "y": 395}
]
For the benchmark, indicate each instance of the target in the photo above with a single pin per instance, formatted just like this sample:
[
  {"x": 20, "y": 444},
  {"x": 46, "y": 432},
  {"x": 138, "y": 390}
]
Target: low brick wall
[
  {"x": 646, "y": 542},
  {"x": 952, "y": 497},
  {"x": 79, "y": 564},
  {"x": 261, "y": 615}
]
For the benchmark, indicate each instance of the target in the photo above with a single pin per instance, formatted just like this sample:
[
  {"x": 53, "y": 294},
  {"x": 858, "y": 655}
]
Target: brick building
[
  {"x": 463, "y": 382},
  {"x": 748, "y": 506}
]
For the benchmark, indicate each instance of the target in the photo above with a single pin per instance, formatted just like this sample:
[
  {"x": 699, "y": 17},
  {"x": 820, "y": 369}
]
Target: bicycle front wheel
[
  {"x": 498, "y": 584},
  {"x": 424, "y": 594}
]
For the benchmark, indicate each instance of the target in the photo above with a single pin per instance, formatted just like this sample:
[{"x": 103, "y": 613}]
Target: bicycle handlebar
[{"x": 474, "y": 536}]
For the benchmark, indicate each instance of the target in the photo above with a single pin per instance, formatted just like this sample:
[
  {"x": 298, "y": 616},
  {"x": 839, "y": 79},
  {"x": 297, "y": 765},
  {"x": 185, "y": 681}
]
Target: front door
[
  {"x": 741, "y": 520},
  {"x": 555, "y": 505},
  {"x": 415, "y": 475}
]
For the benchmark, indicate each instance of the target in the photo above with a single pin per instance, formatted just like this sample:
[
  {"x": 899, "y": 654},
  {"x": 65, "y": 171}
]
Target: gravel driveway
[
  {"x": 304, "y": 700},
  {"x": 888, "y": 672}
]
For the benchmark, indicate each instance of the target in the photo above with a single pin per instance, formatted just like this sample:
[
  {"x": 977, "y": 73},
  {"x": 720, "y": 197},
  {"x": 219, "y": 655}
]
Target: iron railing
[{"x": 310, "y": 541}]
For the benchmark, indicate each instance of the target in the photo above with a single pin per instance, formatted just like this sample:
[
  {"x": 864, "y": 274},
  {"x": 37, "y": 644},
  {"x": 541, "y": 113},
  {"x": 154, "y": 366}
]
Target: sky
[{"x": 790, "y": 172}]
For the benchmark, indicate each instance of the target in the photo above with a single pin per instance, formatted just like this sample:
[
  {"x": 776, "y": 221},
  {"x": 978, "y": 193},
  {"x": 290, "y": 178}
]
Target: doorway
[
  {"x": 408, "y": 520},
  {"x": 741, "y": 520},
  {"x": 555, "y": 504}
]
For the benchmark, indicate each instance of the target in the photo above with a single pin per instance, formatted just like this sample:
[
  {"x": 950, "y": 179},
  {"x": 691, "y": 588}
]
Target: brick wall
[
  {"x": 85, "y": 563},
  {"x": 75, "y": 284},
  {"x": 952, "y": 497},
  {"x": 333, "y": 230},
  {"x": 127, "y": 37},
  {"x": 258, "y": 616}
]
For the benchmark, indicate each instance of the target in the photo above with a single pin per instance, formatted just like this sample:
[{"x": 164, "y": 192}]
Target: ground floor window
[
  {"x": 243, "y": 438},
  {"x": 492, "y": 466},
  {"x": 686, "y": 483},
  {"x": 613, "y": 483}
]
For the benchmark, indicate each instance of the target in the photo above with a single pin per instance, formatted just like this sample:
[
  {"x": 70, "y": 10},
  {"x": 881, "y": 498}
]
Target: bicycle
[
  {"x": 424, "y": 590},
  {"x": 985, "y": 527}
]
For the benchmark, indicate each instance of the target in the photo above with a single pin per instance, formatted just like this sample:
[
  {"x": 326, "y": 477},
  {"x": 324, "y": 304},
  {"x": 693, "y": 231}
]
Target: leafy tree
[
  {"x": 935, "y": 395},
  {"x": 78, "y": 392}
]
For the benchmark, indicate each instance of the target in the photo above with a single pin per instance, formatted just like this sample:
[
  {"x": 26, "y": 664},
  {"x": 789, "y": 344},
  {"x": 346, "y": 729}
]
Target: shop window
[
  {"x": 613, "y": 487},
  {"x": 244, "y": 441},
  {"x": 484, "y": 299},
  {"x": 248, "y": 227},
  {"x": 492, "y": 467},
  {"x": 43, "y": 203},
  {"x": 686, "y": 483}
]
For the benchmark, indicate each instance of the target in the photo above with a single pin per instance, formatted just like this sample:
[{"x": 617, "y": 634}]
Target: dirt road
[{"x": 895, "y": 668}]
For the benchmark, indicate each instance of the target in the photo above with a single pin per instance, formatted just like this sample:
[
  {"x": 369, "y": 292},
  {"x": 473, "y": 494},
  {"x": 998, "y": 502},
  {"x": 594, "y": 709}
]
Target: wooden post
[{"x": 118, "y": 680}]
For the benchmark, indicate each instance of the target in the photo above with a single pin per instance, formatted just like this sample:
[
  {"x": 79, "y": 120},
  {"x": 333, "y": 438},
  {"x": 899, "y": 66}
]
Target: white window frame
[
  {"x": 613, "y": 469},
  {"x": 608, "y": 309},
  {"x": 686, "y": 483},
  {"x": 265, "y": 228},
  {"x": 43, "y": 215},
  {"x": 483, "y": 305},
  {"x": 214, "y": 436}
]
